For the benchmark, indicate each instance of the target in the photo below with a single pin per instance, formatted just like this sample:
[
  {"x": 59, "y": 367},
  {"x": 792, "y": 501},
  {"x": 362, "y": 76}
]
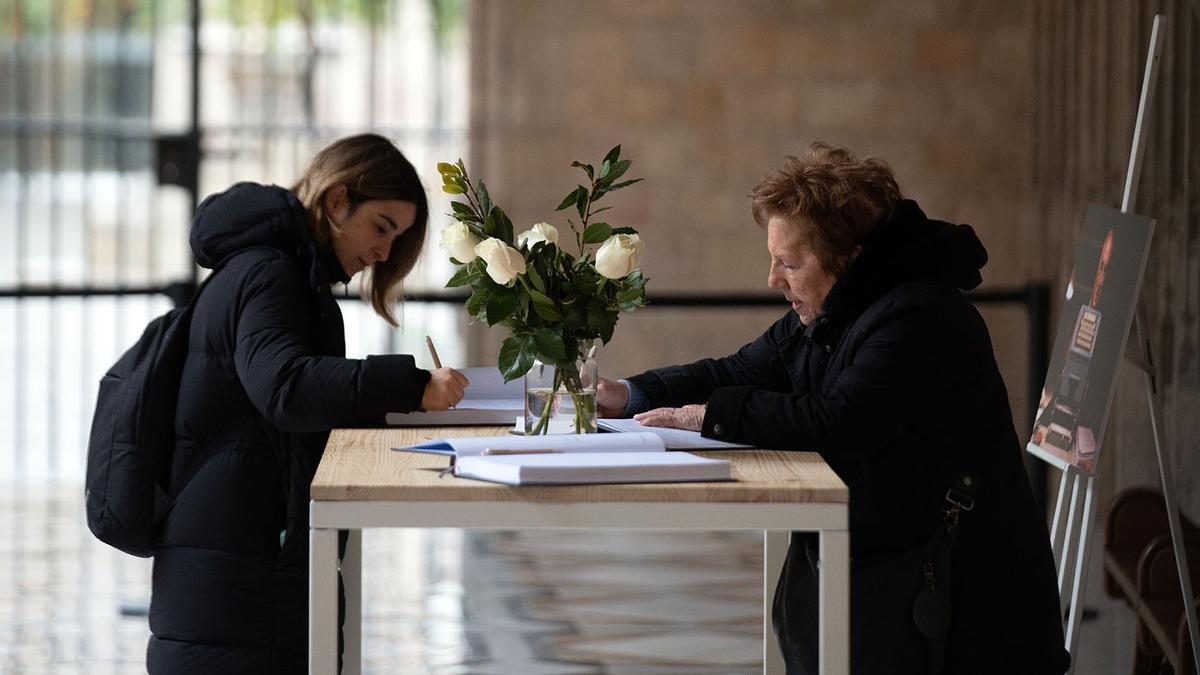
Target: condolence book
[
  {"x": 574, "y": 458},
  {"x": 593, "y": 467},
  {"x": 488, "y": 400},
  {"x": 674, "y": 439}
]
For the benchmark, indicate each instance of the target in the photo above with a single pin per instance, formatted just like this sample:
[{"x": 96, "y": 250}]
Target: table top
[{"x": 360, "y": 465}]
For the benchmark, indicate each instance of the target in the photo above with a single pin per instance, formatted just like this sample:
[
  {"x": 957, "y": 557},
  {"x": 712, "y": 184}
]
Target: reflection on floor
[{"x": 442, "y": 601}]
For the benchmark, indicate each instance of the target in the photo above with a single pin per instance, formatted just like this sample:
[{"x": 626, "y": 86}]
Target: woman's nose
[{"x": 772, "y": 277}]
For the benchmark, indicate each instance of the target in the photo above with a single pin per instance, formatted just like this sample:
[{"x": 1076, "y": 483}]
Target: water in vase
[{"x": 564, "y": 413}]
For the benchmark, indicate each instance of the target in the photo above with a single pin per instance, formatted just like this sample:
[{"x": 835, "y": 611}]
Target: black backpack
[{"x": 133, "y": 435}]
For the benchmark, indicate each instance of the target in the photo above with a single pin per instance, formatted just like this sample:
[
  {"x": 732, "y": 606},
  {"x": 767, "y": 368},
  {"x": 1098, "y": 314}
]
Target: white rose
[
  {"x": 618, "y": 255},
  {"x": 504, "y": 262},
  {"x": 539, "y": 232},
  {"x": 458, "y": 241}
]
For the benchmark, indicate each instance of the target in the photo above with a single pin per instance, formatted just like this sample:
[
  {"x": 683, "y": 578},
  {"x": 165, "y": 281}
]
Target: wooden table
[{"x": 362, "y": 483}]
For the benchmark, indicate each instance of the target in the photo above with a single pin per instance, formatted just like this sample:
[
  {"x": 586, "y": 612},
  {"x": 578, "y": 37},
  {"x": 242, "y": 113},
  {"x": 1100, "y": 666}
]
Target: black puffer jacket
[
  {"x": 897, "y": 387},
  {"x": 264, "y": 382}
]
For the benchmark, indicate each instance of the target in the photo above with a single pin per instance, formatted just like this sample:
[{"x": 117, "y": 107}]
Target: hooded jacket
[
  {"x": 896, "y": 386},
  {"x": 263, "y": 383}
]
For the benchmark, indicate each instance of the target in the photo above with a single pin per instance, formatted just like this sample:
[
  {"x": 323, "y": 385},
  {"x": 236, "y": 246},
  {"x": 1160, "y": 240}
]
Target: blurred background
[{"x": 117, "y": 116}]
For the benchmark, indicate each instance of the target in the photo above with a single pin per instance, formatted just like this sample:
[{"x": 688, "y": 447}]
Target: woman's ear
[{"x": 337, "y": 204}]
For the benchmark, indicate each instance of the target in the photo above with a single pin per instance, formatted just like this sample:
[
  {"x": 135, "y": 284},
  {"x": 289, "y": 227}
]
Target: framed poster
[{"x": 1101, "y": 298}]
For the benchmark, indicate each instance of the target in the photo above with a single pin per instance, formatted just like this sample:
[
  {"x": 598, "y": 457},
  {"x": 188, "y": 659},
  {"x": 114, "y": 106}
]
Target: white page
[
  {"x": 487, "y": 400},
  {"x": 488, "y": 384},
  {"x": 508, "y": 404},
  {"x": 564, "y": 443},
  {"x": 675, "y": 439},
  {"x": 608, "y": 467}
]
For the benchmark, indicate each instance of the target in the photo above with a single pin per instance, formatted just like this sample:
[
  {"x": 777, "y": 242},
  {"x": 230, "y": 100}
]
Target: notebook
[
  {"x": 675, "y": 439},
  {"x": 594, "y": 467},
  {"x": 573, "y": 458}
]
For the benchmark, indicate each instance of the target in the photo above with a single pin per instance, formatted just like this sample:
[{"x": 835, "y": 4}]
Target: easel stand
[{"x": 1075, "y": 511}]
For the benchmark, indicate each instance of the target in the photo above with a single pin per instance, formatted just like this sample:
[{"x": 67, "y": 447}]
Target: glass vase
[{"x": 561, "y": 398}]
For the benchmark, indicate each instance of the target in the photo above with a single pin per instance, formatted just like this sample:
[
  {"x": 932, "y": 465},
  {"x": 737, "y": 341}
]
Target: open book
[
  {"x": 675, "y": 439},
  {"x": 574, "y": 458},
  {"x": 487, "y": 400}
]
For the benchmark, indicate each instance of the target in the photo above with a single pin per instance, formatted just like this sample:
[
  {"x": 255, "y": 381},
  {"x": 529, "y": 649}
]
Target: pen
[
  {"x": 520, "y": 451},
  {"x": 437, "y": 363}
]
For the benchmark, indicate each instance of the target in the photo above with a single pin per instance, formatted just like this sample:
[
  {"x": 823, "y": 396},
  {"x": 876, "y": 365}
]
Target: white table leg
[
  {"x": 775, "y": 547},
  {"x": 322, "y": 601},
  {"x": 835, "y": 602},
  {"x": 352, "y": 578}
]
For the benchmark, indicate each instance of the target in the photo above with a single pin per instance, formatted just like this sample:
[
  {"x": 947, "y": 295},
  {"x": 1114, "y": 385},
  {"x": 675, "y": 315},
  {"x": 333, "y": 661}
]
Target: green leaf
[
  {"x": 485, "y": 199},
  {"x": 549, "y": 345},
  {"x": 627, "y": 183},
  {"x": 547, "y": 312},
  {"x": 602, "y": 320},
  {"x": 629, "y": 295},
  {"x": 582, "y": 203},
  {"x": 461, "y": 209},
  {"x": 531, "y": 273},
  {"x": 613, "y": 155},
  {"x": 587, "y": 168},
  {"x": 476, "y": 301},
  {"x": 600, "y": 209},
  {"x": 463, "y": 277},
  {"x": 539, "y": 297},
  {"x": 448, "y": 169},
  {"x": 571, "y": 199},
  {"x": 453, "y": 190},
  {"x": 503, "y": 226},
  {"x": 461, "y": 167},
  {"x": 502, "y": 304},
  {"x": 489, "y": 224},
  {"x": 596, "y": 233},
  {"x": 516, "y": 356},
  {"x": 604, "y": 169},
  {"x": 576, "y": 316},
  {"x": 624, "y": 230},
  {"x": 618, "y": 170}
]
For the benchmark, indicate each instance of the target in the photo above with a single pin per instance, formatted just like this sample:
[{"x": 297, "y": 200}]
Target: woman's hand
[
  {"x": 689, "y": 417},
  {"x": 445, "y": 389},
  {"x": 611, "y": 398}
]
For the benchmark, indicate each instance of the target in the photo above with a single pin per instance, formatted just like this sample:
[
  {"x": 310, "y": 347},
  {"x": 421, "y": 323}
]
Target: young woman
[{"x": 265, "y": 380}]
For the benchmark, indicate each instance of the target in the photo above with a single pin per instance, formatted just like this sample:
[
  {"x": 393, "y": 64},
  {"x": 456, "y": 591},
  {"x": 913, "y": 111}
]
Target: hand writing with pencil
[
  {"x": 446, "y": 385},
  {"x": 445, "y": 389}
]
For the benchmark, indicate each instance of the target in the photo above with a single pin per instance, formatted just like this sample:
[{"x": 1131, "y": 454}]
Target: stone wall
[
  {"x": 706, "y": 96},
  {"x": 1011, "y": 116}
]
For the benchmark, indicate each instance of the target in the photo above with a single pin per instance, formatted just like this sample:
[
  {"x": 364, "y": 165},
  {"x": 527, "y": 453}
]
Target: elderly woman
[{"x": 886, "y": 370}]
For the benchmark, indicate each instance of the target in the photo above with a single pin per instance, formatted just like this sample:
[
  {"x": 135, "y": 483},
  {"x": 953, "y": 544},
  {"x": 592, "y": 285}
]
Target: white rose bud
[
  {"x": 618, "y": 255},
  {"x": 539, "y": 232},
  {"x": 504, "y": 262},
  {"x": 458, "y": 241}
]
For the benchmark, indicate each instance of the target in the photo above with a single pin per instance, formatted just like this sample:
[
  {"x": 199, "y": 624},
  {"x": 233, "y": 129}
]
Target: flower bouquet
[{"x": 555, "y": 303}]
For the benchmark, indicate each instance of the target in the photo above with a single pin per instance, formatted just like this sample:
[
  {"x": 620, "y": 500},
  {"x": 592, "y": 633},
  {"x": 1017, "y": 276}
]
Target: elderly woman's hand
[
  {"x": 689, "y": 417},
  {"x": 611, "y": 398}
]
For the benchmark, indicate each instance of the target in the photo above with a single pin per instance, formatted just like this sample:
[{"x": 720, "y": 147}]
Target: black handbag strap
[{"x": 935, "y": 597}]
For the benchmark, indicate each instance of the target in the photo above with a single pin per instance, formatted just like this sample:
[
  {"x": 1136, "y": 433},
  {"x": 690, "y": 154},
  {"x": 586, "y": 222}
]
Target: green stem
[{"x": 543, "y": 422}]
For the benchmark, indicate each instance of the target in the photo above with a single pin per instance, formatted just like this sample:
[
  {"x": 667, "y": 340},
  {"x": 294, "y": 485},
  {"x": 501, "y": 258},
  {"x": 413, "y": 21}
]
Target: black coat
[
  {"x": 896, "y": 386},
  {"x": 264, "y": 382}
]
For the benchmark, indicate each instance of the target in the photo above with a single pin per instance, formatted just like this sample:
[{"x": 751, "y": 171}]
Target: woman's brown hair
[
  {"x": 371, "y": 167},
  {"x": 836, "y": 198}
]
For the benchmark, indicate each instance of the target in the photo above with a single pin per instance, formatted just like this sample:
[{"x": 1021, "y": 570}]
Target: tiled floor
[{"x": 514, "y": 603}]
